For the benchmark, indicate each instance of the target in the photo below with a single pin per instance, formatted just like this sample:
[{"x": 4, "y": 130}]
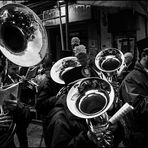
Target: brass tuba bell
[
  {"x": 90, "y": 97},
  {"x": 23, "y": 38},
  {"x": 62, "y": 66},
  {"x": 109, "y": 60}
]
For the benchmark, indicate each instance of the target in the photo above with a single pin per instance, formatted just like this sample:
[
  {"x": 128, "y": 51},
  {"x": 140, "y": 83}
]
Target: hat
[{"x": 142, "y": 45}]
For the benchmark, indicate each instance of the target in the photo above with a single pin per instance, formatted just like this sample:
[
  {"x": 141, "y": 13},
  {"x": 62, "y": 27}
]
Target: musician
[
  {"x": 134, "y": 90},
  {"x": 47, "y": 89},
  {"x": 80, "y": 72},
  {"x": 21, "y": 116},
  {"x": 60, "y": 127},
  {"x": 17, "y": 110}
]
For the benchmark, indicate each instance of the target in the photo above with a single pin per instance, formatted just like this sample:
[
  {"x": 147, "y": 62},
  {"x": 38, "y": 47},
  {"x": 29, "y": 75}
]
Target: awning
[{"x": 139, "y": 6}]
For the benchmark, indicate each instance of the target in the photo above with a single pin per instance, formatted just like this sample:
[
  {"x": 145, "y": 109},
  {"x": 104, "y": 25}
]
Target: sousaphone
[{"x": 23, "y": 38}]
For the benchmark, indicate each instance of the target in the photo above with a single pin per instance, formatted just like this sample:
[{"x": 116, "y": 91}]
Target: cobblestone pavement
[{"x": 35, "y": 138}]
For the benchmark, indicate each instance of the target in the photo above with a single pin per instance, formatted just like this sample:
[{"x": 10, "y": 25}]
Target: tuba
[
  {"x": 91, "y": 99},
  {"x": 62, "y": 66},
  {"x": 23, "y": 41},
  {"x": 109, "y": 61}
]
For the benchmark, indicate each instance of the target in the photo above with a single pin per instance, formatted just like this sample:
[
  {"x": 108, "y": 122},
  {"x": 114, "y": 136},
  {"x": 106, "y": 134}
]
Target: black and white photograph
[{"x": 73, "y": 74}]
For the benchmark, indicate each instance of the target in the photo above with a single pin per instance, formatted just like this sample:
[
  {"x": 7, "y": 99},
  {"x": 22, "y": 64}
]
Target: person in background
[
  {"x": 127, "y": 66},
  {"x": 75, "y": 41},
  {"x": 134, "y": 90}
]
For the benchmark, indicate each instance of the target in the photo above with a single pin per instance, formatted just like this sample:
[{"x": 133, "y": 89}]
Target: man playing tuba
[{"x": 60, "y": 126}]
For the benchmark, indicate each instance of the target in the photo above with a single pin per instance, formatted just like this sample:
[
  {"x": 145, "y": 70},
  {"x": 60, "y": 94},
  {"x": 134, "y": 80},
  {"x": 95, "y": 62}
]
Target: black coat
[
  {"x": 64, "y": 130},
  {"x": 134, "y": 90}
]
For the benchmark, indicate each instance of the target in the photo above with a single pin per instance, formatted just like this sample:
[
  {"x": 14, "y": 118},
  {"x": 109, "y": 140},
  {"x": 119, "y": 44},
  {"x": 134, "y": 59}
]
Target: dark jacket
[
  {"x": 21, "y": 116},
  {"x": 134, "y": 90},
  {"x": 64, "y": 130},
  {"x": 46, "y": 92}
]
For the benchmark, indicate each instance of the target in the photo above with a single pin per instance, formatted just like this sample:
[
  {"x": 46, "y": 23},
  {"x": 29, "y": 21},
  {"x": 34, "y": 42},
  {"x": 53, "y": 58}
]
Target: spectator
[
  {"x": 127, "y": 66},
  {"x": 75, "y": 41}
]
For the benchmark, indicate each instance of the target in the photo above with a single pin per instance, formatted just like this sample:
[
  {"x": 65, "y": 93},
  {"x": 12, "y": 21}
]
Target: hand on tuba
[{"x": 100, "y": 132}]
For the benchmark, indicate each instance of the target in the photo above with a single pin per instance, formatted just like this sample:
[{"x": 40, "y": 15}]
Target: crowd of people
[{"x": 61, "y": 128}]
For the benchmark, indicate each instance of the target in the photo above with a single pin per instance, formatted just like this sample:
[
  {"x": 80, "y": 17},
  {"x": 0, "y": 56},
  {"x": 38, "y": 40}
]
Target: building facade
[{"x": 97, "y": 27}]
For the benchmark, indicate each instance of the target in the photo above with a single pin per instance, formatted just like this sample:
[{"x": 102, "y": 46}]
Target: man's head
[
  {"x": 144, "y": 58},
  {"x": 142, "y": 46},
  {"x": 128, "y": 58},
  {"x": 75, "y": 41}
]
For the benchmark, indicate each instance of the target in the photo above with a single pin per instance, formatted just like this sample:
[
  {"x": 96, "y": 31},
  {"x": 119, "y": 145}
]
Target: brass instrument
[
  {"x": 62, "y": 66},
  {"x": 23, "y": 40},
  {"x": 109, "y": 61},
  {"x": 91, "y": 99}
]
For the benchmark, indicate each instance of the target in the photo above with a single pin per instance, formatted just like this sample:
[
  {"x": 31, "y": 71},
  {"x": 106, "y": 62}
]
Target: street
[{"x": 34, "y": 136}]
